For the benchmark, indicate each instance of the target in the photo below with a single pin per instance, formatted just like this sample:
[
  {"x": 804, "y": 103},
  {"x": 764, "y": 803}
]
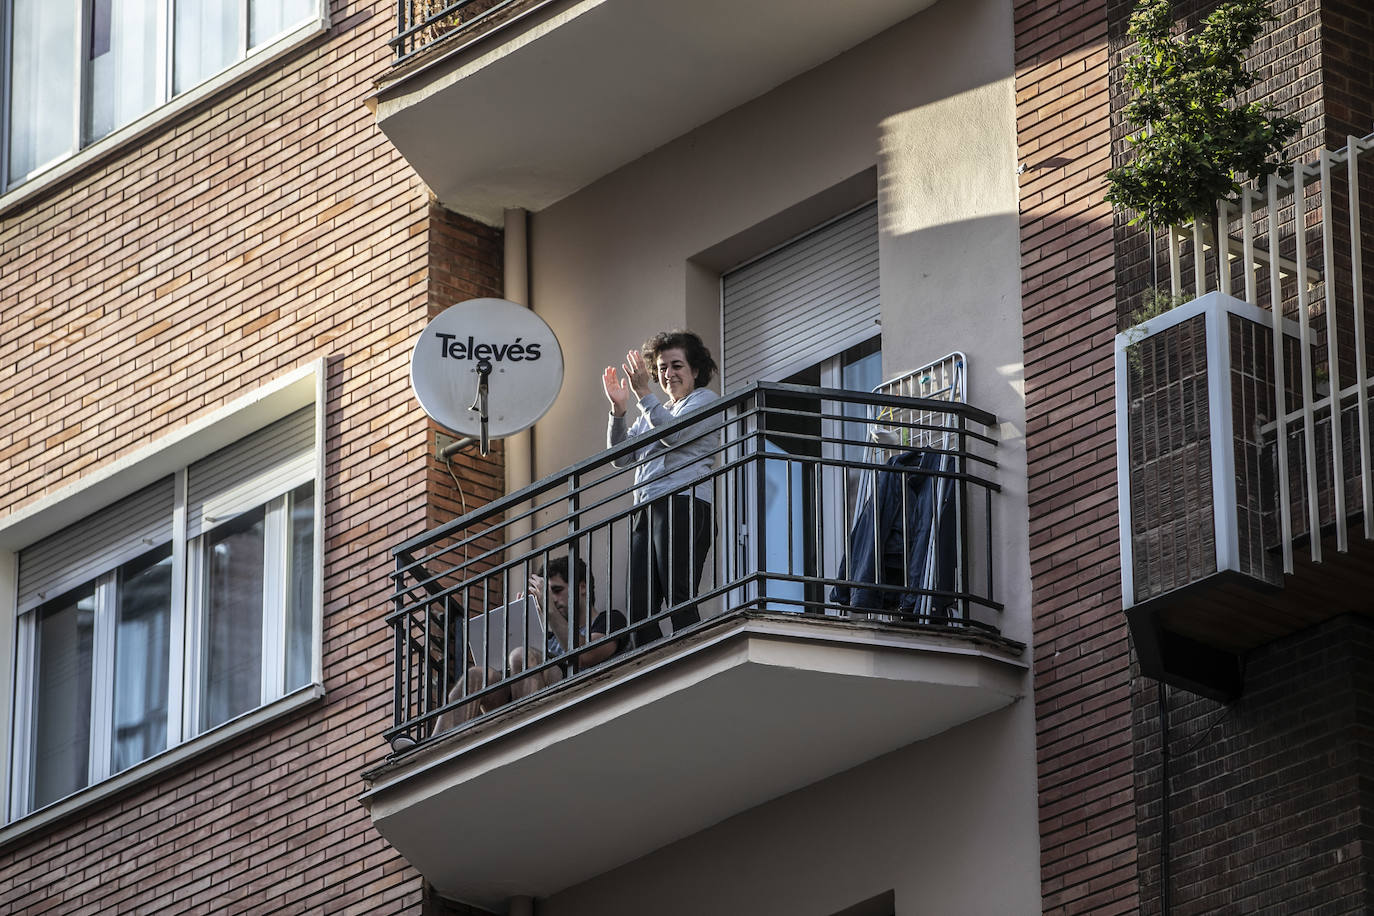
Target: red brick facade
[
  {"x": 1268, "y": 803},
  {"x": 268, "y": 227},
  {"x": 1255, "y": 845},
  {"x": 1265, "y": 802},
  {"x": 1068, "y": 297}
]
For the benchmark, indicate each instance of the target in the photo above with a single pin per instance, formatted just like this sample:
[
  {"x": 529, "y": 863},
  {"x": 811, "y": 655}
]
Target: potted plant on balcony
[{"x": 1194, "y": 139}]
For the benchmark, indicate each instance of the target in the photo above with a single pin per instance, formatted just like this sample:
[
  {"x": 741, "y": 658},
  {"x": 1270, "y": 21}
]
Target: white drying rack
[
  {"x": 893, "y": 430},
  {"x": 898, "y": 429}
]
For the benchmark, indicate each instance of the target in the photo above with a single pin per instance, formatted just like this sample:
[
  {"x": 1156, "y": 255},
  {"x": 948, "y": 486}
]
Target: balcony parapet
[
  {"x": 846, "y": 590},
  {"x": 806, "y": 515}
]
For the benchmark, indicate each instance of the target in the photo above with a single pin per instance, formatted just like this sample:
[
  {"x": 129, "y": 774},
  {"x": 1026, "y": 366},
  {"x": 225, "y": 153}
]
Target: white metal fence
[{"x": 1298, "y": 246}]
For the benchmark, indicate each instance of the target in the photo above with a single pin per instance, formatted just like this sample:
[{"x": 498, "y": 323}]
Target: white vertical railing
[
  {"x": 1294, "y": 213},
  {"x": 1280, "y": 389},
  {"x": 1361, "y": 366}
]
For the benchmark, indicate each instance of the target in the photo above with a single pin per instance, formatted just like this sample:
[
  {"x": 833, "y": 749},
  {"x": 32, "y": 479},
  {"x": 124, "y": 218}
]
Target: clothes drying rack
[{"x": 894, "y": 430}]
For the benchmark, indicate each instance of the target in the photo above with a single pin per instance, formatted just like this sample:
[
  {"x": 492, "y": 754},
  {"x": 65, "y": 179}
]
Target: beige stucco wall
[
  {"x": 942, "y": 824},
  {"x": 924, "y": 116}
]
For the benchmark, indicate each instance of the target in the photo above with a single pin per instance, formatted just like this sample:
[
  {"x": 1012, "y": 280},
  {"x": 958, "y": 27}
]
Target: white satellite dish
[{"x": 486, "y": 368}]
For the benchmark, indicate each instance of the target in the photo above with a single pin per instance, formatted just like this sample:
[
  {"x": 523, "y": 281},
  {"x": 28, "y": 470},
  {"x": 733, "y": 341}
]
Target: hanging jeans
[
  {"x": 914, "y": 544},
  {"x": 669, "y": 538}
]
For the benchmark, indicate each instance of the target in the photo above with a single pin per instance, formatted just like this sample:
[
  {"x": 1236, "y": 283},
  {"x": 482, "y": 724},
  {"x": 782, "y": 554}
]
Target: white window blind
[
  {"x": 259, "y": 467},
  {"x": 96, "y": 545},
  {"x": 803, "y": 302}
]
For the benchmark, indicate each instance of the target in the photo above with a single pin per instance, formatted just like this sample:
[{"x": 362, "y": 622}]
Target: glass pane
[
  {"x": 207, "y": 40},
  {"x": 42, "y": 84},
  {"x": 784, "y": 524},
  {"x": 142, "y": 632},
  {"x": 122, "y": 76},
  {"x": 300, "y": 601},
  {"x": 269, "y": 18},
  {"x": 62, "y": 696},
  {"x": 861, "y": 370},
  {"x": 231, "y": 659}
]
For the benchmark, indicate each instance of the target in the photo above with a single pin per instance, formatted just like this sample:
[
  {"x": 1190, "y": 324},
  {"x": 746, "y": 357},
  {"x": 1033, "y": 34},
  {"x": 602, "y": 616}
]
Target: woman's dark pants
[{"x": 669, "y": 538}]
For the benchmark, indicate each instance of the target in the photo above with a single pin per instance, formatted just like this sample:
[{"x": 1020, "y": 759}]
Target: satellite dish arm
[{"x": 480, "y": 403}]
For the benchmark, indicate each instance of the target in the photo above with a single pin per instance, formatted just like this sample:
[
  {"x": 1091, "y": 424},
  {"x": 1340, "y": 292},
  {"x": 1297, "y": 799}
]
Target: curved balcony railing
[{"x": 822, "y": 502}]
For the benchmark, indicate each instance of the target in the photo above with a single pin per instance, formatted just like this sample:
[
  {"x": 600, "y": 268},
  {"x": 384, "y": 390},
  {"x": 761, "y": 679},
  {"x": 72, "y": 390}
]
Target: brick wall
[
  {"x": 1263, "y": 805},
  {"x": 1347, "y": 50},
  {"x": 1269, "y": 806},
  {"x": 1068, "y": 283},
  {"x": 268, "y": 227}
]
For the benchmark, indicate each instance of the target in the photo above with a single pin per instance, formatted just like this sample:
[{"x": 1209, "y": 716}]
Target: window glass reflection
[
  {"x": 121, "y": 77},
  {"x": 142, "y": 634},
  {"x": 232, "y": 653},
  {"x": 206, "y": 40},
  {"x": 42, "y": 83},
  {"x": 269, "y": 18},
  {"x": 62, "y": 707}
]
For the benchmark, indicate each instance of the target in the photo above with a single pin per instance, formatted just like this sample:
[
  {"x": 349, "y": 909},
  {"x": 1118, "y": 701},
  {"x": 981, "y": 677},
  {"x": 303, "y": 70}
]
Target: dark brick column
[{"x": 1082, "y": 695}]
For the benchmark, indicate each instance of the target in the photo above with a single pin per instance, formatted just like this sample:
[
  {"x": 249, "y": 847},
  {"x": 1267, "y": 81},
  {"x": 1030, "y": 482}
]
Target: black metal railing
[
  {"x": 421, "y": 23},
  {"x": 803, "y": 512}
]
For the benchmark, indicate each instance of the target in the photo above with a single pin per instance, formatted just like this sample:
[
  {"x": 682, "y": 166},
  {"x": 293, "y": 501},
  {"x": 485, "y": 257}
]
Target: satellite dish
[{"x": 486, "y": 368}]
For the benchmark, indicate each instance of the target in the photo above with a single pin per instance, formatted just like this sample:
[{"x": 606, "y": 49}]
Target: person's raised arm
[
  {"x": 617, "y": 391},
  {"x": 637, "y": 371}
]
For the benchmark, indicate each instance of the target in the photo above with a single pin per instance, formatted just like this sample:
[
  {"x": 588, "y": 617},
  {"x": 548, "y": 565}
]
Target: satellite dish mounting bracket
[{"x": 480, "y": 404}]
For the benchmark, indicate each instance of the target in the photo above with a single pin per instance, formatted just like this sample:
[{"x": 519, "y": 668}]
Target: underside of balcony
[
  {"x": 666, "y": 741},
  {"x": 557, "y": 94},
  {"x": 1196, "y": 637}
]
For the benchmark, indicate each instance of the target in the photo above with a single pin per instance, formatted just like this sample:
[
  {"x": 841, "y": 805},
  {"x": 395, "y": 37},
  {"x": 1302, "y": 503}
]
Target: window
[
  {"x": 829, "y": 275},
  {"x": 167, "y": 614},
  {"x": 81, "y": 69}
]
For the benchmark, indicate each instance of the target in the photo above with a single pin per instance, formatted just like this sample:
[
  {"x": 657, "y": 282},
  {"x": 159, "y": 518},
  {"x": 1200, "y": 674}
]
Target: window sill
[
  {"x": 126, "y": 136},
  {"x": 161, "y": 763}
]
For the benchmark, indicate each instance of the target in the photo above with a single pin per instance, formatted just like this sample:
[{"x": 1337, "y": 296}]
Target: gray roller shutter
[
  {"x": 805, "y": 301},
  {"x": 255, "y": 469},
  {"x": 96, "y": 545}
]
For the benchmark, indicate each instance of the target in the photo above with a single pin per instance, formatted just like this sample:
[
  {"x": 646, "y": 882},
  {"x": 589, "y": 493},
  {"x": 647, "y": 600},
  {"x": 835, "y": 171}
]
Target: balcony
[
  {"x": 1243, "y": 441},
  {"x": 805, "y": 632},
  {"x": 522, "y": 102}
]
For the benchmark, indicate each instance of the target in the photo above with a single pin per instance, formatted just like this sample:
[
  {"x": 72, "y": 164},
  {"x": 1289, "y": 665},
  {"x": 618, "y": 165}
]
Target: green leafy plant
[{"x": 1194, "y": 138}]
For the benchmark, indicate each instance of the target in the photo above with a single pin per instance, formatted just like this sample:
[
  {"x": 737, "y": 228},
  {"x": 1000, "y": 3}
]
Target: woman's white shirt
[{"x": 672, "y": 463}]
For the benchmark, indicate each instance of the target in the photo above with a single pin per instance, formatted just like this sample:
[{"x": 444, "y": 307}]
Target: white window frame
[
  {"x": 14, "y": 193},
  {"x": 304, "y": 387}
]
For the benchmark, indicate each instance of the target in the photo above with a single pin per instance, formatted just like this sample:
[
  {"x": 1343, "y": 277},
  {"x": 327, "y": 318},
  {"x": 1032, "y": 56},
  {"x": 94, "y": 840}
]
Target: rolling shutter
[
  {"x": 110, "y": 538},
  {"x": 803, "y": 302},
  {"x": 255, "y": 469}
]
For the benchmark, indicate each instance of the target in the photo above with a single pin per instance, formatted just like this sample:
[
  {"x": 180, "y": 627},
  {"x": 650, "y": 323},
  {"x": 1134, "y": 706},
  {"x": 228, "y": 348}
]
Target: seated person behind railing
[
  {"x": 555, "y": 646},
  {"x": 670, "y": 531}
]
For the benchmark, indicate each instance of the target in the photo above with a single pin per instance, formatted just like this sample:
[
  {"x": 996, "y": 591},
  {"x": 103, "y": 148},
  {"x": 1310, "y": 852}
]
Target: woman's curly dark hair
[{"x": 698, "y": 356}]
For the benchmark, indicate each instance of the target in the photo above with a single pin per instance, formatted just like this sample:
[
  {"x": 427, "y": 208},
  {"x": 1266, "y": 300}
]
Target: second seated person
[{"x": 671, "y": 528}]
